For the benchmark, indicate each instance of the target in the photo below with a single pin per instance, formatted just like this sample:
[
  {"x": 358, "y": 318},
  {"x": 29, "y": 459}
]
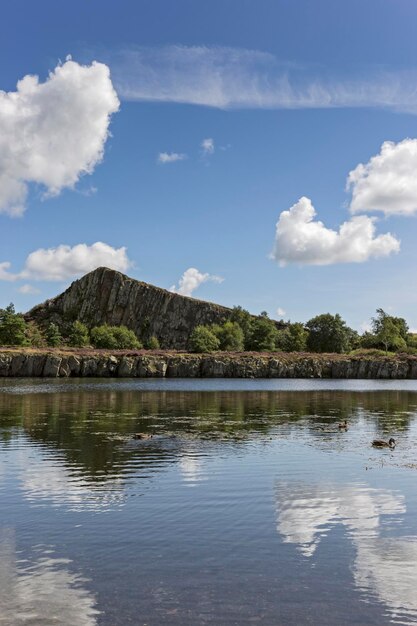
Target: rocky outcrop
[
  {"x": 105, "y": 296},
  {"x": 219, "y": 365}
]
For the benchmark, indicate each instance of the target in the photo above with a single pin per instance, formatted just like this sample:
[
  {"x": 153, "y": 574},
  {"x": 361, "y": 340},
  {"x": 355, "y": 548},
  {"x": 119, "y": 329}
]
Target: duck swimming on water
[
  {"x": 380, "y": 443},
  {"x": 343, "y": 424}
]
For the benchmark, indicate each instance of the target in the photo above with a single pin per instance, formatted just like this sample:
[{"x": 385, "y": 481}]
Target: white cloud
[
  {"x": 191, "y": 279},
  {"x": 238, "y": 78},
  {"x": 280, "y": 312},
  {"x": 52, "y": 133},
  {"x": 5, "y": 272},
  {"x": 207, "y": 146},
  {"x": 28, "y": 289},
  {"x": 301, "y": 239},
  {"x": 388, "y": 182},
  {"x": 64, "y": 262},
  {"x": 170, "y": 157}
]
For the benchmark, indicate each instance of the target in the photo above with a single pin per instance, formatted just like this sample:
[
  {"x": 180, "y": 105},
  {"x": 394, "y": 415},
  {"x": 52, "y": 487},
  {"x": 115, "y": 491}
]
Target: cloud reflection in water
[
  {"x": 384, "y": 566},
  {"x": 42, "y": 590}
]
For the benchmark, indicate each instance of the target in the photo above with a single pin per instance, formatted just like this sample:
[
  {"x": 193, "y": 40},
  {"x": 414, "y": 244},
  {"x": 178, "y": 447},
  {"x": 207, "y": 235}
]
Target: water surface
[{"x": 247, "y": 506}]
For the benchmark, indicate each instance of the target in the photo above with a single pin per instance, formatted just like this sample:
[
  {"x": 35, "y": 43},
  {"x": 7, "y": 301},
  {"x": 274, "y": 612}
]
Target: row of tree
[
  {"x": 241, "y": 332},
  {"x": 323, "y": 333},
  {"x": 15, "y": 331}
]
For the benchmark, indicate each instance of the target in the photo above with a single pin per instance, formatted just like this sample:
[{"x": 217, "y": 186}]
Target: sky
[{"x": 260, "y": 153}]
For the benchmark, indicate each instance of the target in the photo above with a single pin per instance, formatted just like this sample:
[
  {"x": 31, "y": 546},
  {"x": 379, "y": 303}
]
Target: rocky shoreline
[{"x": 58, "y": 363}]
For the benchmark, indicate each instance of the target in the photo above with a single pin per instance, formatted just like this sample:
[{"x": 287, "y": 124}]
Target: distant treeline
[{"x": 241, "y": 332}]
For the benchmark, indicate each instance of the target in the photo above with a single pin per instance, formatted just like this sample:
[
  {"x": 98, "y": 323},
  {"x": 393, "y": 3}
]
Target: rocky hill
[{"x": 106, "y": 296}]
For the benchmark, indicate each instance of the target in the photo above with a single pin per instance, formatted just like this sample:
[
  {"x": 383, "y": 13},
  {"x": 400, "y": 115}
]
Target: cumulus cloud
[
  {"x": 63, "y": 262},
  {"x": 52, "y": 133},
  {"x": 191, "y": 279},
  {"x": 388, "y": 182},
  {"x": 226, "y": 77},
  {"x": 207, "y": 146},
  {"x": 299, "y": 238},
  {"x": 170, "y": 157},
  {"x": 280, "y": 312}
]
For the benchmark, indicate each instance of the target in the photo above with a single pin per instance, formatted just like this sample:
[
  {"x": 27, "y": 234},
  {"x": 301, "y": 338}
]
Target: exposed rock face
[
  {"x": 106, "y": 296},
  {"x": 221, "y": 365}
]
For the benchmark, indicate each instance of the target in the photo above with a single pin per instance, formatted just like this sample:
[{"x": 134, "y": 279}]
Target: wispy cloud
[
  {"x": 237, "y": 78},
  {"x": 170, "y": 157},
  {"x": 28, "y": 290},
  {"x": 207, "y": 146}
]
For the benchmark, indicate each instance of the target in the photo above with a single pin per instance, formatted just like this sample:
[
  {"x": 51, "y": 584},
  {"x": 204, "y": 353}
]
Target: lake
[{"x": 248, "y": 505}]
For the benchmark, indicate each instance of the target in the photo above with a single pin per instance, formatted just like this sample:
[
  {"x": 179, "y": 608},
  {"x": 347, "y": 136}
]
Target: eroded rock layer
[
  {"x": 106, "y": 296},
  {"x": 101, "y": 364}
]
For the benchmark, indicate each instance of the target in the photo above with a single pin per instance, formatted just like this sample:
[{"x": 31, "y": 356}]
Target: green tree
[
  {"x": 244, "y": 319},
  {"x": 329, "y": 333},
  {"x": 79, "y": 335},
  {"x": 230, "y": 336},
  {"x": 389, "y": 331},
  {"x": 263, "y": 334},
  {"x": 53, "y": 336},
  {"x": 103, "y": 337},
  {"x": 152, "y": 343},
  {"x": 34, "y": 335},
  {"x": 125, "y": 338},
  {"x": 202, "y": 339},
  {"x": 293, "y": 338},
  {"x": 12, "y": 327},
  {"x": 114, "y": 338}
]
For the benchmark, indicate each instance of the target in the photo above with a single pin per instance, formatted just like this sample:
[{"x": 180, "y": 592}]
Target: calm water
[{"x": 248, "y": 505}]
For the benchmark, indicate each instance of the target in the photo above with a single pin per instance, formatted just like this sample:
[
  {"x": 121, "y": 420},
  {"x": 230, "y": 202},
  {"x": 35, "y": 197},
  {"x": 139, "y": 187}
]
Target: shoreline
[{"x": 85, "y": 362}]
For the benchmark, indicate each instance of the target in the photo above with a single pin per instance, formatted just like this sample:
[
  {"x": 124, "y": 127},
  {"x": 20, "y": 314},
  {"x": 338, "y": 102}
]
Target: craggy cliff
[
  {"x": 53, "y": 364},
  {"x": 106, "y": 296}
]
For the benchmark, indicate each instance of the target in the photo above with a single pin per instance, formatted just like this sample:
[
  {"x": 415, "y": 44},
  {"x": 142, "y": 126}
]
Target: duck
[
  {"x": 343, "y": 424},
  {"x": 142, "y": 436},
  {"x": 380, "y": 443}
]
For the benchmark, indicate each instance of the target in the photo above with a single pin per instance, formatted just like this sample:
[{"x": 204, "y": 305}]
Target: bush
[
  {"x": 202, "y": 339},
  {"x": 114, "y": 338},
  {"x": 244, "y": 319},
  {"x": 152, "y": 343},
  {"x": 53, "y": 336},
  {"x": 79, "y": 335},
  {"x": 230, "y": 336},
  {"x": 34, "y": 335},
  {"x": 293, "y": 338},
  {"x": 329, "y": 333},
  {"x": 12, "y": 327},
  {"x": 263, "y": 334},
  {"x": 103, "y": 337},
  {"x": 125, "y": 338}
]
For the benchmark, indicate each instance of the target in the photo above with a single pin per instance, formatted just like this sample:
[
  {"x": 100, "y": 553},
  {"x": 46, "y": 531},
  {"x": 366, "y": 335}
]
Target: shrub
[
  {"x": 125, "y": 338},
  {"x": 293, "y": 338},
  {"x": 152, "y": 343},
  {"x": 34, "y": 335},
  {"x": 263, "y": 334},
  {"x": 329, "y": 333},
  {"x": 114, "y": 338},
  {"x": 53, "y": 336},
  {"x": 79, "y": 335},
  {"x": 12, "y": 327},
  {"x": 202, "y": 339},
  {"x": 230, "y": 336},
  {"x": 102, "y": 337}
]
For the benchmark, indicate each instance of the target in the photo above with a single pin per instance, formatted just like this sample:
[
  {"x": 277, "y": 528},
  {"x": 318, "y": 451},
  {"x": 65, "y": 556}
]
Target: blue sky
[{"x": 293, "y": 95}]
